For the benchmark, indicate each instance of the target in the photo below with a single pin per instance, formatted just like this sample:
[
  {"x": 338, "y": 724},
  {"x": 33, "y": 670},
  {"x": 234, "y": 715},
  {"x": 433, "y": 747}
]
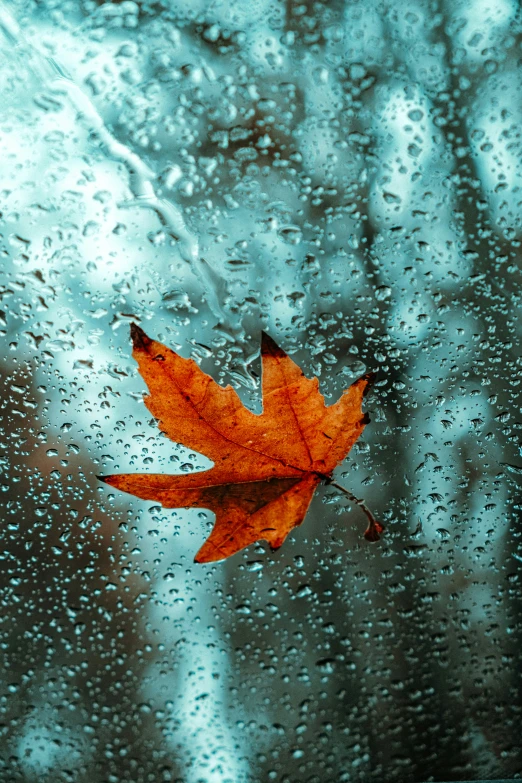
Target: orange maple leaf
[{"x": 267, "y": 467}]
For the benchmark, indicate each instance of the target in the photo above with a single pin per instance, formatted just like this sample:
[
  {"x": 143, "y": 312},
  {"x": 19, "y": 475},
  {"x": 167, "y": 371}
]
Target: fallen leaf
[{"x": 267, "y": 467}]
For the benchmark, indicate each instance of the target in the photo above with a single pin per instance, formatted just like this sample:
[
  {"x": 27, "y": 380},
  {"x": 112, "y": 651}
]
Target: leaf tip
[
  {"x": 370, "y": 379},
  {"x": 201, "y": 555},
  {"x": 202, "y": 558},
  {"x": 111, "y": 481},
  {"x": 139, "y": 338},
  {"x": 270, "y": 347}
]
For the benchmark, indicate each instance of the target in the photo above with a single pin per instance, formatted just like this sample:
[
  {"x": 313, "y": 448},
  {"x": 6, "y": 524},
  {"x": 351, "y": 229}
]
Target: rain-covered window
[{"x": 345, "y": 177}]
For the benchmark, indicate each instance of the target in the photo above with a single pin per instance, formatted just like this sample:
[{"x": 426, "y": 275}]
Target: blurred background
[{"x": 347, "y": 176}]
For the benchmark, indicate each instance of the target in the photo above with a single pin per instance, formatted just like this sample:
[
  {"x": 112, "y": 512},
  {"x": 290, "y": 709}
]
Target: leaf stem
[{"x": 375, "y": 528}]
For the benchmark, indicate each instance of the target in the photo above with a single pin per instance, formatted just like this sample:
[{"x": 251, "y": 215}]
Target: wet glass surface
[{"x": 346, "y": 176}]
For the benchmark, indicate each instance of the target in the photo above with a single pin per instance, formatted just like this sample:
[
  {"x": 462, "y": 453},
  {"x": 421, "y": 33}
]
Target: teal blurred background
[{"x": 347, "y": 176}]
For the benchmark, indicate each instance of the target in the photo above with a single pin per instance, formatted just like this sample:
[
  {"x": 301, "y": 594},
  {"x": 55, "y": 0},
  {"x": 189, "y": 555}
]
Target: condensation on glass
[{"x": 346, "y": 176}]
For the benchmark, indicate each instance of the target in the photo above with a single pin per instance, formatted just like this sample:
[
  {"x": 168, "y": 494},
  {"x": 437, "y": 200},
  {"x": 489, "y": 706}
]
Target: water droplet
[{"x": 383, "y": 292}]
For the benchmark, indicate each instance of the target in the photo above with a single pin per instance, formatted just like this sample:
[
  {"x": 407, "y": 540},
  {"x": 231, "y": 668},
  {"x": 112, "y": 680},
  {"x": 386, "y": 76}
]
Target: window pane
[{"x": 346, "y": 177}]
